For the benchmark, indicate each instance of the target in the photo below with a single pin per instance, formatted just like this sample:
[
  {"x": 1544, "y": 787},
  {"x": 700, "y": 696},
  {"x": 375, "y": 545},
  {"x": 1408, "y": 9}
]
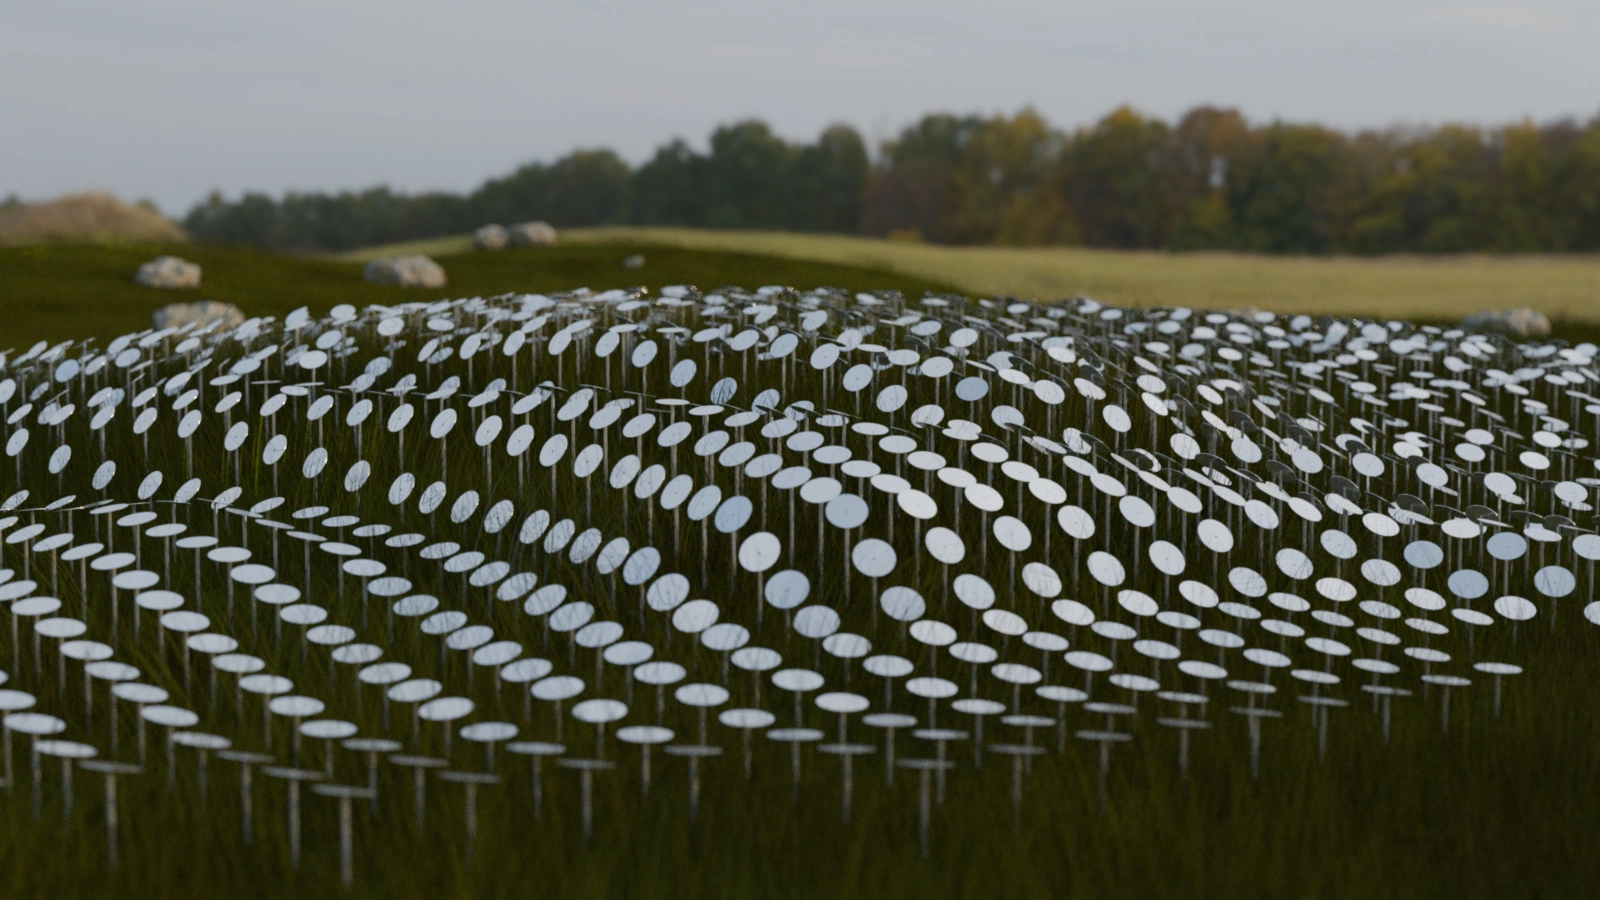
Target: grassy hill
[
  {"x": 1496, "y": 805},
  {"x": 1435, "y": 289},
  {"x": 93, "y": 217},
  {"x": 59, "y": 292},
  {"x": 1493, "y": 806}
]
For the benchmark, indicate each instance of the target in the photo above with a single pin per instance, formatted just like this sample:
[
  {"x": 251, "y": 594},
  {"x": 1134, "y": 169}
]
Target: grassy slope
[
  {"x": 1431, "y": 289},
  {"x": 1492, "y": 809},
  {"x": 54, "y": 293},
  {"x": 92, "y": 217}
]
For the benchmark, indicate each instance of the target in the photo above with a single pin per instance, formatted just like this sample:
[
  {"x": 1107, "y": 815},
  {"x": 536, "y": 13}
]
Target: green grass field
[
  {"x": 1495, "y": 808},
  {"x": 1442, "y": 289},
  {"x": 60, "y": 292}
]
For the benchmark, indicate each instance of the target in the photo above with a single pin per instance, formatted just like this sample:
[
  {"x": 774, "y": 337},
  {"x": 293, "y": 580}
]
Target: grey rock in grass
[
  {"x": 169, "y": 273},
  {"x": 533, "y": 234},
  {"x": 1515, "y": 323},
  {"x": 636, "y": 261},
  {"x": 406, "y": 271},
  {"x": 201, "y": 313},
  {"x": 490, "y": 237}
]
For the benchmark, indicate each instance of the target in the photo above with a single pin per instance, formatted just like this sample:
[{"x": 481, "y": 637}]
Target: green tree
[
  {"x": 1285, "y": 199},
  {"x": 585, "y": 187},
  {"x": 1001, "y": 166},
  {"x": 1575, "y": 185},
  {"x": 913, "y": 190},
  {"x": 745, "y": 176},
  {"x": 1206, "y": 151},
  {"x": 825, "y": 182},
  {"x": 1211, "y": 180},
  {"x": 1522, "y": 221},
  {"x": 669, "y": 189},
  {"x": 1112, "y": 179}
]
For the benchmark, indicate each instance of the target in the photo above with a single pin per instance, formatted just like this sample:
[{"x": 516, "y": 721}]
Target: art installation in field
[{"x": 394, "y": 559}]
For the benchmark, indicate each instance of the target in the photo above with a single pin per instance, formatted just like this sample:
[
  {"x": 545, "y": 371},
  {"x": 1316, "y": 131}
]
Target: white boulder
[
  {"x": 533, "y": 234},
  {"x": 169, "y": 273},
  {"x": 1519, "y": 323},
  {"x": 406, "y": 271},
  {"x": 490, "y": 237},
  {"x": 199, "y": 314}
]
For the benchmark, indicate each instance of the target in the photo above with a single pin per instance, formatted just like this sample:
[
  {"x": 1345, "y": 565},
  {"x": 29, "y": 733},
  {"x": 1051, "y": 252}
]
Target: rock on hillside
[
  {"x": 490, "y": 237},
  {"x": 169, "y": 272},
  {"x": 533, "y": 234},
  {"x": 200, "y": 314},
  {"x": 89, "y": 218},
  {"x": 406, "y": 271},
  {"x": 1514, "y": 323}
]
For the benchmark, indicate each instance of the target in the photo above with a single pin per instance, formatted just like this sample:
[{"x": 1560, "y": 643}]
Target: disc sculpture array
[{"x": 399, "y": 557}]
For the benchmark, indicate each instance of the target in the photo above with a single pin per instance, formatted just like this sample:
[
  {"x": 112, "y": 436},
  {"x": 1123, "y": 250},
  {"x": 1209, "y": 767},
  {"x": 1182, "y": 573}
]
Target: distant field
[
  {"x": 1426, "y": 289},
  {"x": 59, "y": 292}
]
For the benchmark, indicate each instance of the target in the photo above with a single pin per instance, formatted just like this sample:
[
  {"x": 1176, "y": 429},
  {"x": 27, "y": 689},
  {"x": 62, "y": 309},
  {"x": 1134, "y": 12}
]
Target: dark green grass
[
  {"x": 57, "y": 293},
  {"x": 1495, "y": 808},
  {"x": 1506, "y": 808},
  {"x": 60, "y": 292}
]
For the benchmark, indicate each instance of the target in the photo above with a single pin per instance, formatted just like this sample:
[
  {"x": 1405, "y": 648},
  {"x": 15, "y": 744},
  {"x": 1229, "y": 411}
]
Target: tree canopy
[{"x": 1209, "y": 181}]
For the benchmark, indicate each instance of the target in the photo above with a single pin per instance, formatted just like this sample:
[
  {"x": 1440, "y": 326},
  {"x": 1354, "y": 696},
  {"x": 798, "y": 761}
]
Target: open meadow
[
  {"x": 56, "y": 292},
  {"x": 1424, "y": 289},
  {"x": 654, "y": 592}
]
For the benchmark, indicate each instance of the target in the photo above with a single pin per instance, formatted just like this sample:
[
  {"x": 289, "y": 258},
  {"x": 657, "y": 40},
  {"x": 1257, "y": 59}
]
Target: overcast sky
[{"x": 169, "y": 99}]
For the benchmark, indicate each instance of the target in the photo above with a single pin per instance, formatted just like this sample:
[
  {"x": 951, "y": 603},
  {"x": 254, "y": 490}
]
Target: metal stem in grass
[
  {"x": 419, "y": 766},
  {"x": 111, "y": 772},
  {"x": 586, "y": 769}
]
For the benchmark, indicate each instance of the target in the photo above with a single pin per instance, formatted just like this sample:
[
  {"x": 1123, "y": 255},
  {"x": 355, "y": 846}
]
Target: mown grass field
[
  {"x": 60, "y": 292},
  {"x": 1442, "y": 289}
]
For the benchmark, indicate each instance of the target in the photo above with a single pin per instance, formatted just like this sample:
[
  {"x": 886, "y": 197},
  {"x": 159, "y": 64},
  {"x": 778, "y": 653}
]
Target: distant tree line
[{"x": 1210, "y": 181}]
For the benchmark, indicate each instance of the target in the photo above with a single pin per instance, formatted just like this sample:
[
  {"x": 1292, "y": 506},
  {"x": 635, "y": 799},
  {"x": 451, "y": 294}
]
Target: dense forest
[{"x": 1210, "y": 181}]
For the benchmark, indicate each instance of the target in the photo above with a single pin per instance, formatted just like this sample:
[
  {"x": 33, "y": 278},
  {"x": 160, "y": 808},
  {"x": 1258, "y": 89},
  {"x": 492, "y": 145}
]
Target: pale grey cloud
[{"x": 171, "y": 98}]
